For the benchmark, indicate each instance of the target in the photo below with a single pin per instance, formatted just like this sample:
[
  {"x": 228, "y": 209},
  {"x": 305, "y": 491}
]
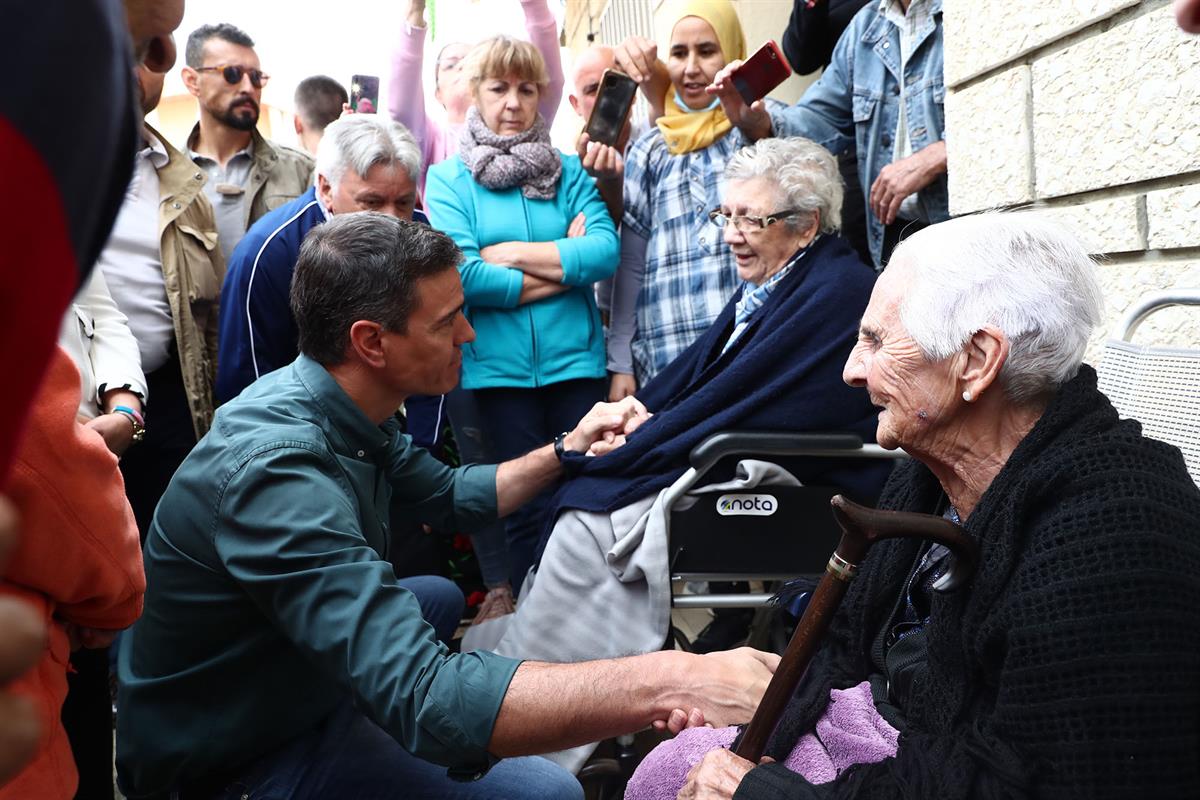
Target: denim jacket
[{"x": 857, "y": 100}]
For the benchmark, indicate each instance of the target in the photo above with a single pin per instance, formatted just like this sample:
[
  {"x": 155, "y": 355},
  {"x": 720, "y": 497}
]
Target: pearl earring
[{"x": 968, "y": 396}]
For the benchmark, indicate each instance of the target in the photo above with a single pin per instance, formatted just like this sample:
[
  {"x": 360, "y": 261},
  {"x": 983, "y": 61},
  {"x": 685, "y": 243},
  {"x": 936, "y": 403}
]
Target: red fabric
[
  {"x": 38, "y": 276},
  {"x": 78, "y": 559}
]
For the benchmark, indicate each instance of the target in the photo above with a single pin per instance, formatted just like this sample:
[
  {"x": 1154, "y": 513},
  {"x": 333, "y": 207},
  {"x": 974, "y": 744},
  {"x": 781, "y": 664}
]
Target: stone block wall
[{"x": 1088, "y": 110}]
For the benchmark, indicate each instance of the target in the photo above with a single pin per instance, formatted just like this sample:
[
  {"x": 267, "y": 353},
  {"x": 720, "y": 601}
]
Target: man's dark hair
[
  {"x": 319, "y": 101},
  {"x": 193, "y": 56},
  {"x": 362, "y": 266}
]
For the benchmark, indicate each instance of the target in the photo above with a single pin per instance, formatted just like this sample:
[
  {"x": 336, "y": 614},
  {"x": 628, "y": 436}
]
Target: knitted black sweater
[{"x": 1071, "y": 665}]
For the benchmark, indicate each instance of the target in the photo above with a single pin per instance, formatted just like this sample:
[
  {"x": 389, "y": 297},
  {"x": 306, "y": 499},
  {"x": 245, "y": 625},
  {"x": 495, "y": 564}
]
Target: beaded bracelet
[{"x": 139, "y": 425}]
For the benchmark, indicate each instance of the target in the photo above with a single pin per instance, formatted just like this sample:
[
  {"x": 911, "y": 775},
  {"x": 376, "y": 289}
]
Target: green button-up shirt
[{"x": 269, "y": 600}]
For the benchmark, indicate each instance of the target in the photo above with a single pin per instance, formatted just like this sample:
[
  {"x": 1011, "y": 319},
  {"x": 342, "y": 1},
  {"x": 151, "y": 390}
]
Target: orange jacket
[{"x": 77, "y": 561}]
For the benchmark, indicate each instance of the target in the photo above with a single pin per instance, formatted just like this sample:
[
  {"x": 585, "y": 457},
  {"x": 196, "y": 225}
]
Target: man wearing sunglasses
[{"x": 247, "y": 175}]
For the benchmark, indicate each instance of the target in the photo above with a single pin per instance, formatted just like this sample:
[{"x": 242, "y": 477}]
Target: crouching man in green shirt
[{"x": 277, "y": 655}]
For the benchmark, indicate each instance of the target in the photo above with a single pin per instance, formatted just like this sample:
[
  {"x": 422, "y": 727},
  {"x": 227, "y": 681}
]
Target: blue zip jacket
[
  {"x": 257, "y": 332},
  {"x": 547, "y": 341},
  {"x": 856, "y": 102}
]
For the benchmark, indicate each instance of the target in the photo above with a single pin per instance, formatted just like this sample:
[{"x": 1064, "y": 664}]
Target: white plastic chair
[{"x": 1157, "y": 386}]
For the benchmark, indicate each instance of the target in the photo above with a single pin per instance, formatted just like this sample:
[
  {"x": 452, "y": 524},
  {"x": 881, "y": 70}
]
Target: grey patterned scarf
[{"x": 525, "y": 159}]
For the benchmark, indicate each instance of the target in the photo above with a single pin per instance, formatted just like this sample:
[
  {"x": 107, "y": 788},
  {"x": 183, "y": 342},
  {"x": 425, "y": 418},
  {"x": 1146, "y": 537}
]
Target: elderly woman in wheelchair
[
  {"x": 1068, "y": 667},
  {"x": 771, "y": 361}
]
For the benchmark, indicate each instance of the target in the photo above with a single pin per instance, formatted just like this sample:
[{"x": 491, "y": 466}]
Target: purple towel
[{"x": 849, "y": 732}]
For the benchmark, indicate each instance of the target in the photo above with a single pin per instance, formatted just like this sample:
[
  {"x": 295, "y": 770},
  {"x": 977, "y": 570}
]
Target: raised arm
[
  {"x": 406, "y": 94},
  {"x": 543, "y": 32}
]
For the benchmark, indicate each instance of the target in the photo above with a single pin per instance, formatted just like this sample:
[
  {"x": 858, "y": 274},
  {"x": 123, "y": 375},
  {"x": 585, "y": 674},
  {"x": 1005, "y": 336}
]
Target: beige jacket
[
  {"x": 193, "y": 270},
  {"x": 279, "y": 174}
]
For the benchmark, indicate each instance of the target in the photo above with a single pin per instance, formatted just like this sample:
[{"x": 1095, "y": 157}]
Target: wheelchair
[{"x": 767, "y": 535}]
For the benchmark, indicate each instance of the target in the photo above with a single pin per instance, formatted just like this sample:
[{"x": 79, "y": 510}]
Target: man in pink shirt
[{"x": 406, "y": 97}]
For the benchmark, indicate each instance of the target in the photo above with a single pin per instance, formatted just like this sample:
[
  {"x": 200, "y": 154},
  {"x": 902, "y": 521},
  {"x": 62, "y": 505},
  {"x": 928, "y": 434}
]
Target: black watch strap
[{"x": 560, "y": 445}]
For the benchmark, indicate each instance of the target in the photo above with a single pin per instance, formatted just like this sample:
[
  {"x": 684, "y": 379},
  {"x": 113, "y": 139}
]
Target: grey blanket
[{"x": 603, "y": 588}]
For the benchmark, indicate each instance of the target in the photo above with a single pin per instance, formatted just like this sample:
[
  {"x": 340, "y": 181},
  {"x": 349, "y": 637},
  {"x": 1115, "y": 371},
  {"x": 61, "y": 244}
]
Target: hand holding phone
[
  {"x": 614, "y": 99},
  {"x": 761, "y": 73},
  {"x": 364, "y": 94}
]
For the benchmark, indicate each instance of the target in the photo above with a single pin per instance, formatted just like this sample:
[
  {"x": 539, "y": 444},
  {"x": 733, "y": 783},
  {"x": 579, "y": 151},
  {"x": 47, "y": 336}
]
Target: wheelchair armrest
[{"x": 705, "y": 455}]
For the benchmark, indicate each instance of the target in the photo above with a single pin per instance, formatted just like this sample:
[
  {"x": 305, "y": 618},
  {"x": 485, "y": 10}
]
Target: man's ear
[
  {"x": 986, "y": 353},
  {"x": 191, "y": 81},
  {"x": 325, "y": 192},
  {"x": 575, "y": 105},
  {"x": 297, "y": 124},
  {"x": 366, "y": 342}
]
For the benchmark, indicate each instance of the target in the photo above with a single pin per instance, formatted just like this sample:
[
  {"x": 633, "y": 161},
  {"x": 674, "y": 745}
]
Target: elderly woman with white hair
[
  {"x": 772, "y": 360},
  {"x": 1068, "y": 667}
]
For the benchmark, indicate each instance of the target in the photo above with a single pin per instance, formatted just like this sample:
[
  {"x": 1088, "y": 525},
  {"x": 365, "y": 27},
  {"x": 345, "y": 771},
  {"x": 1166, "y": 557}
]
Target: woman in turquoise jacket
[{"x": 535, "y": 236}]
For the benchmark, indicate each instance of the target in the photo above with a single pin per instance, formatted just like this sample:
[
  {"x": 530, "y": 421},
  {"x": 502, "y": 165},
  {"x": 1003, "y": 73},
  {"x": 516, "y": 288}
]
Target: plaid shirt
[{"x": 690, "y": 274}]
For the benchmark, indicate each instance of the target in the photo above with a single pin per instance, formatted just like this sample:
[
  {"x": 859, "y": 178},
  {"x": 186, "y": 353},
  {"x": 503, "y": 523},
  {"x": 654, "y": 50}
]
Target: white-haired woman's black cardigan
[{"x": 1071, "y": 666}]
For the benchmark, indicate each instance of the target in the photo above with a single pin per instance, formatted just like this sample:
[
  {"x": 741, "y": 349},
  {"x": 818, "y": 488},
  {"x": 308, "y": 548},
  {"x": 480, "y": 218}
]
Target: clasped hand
[{"x": 606, "y": 422}]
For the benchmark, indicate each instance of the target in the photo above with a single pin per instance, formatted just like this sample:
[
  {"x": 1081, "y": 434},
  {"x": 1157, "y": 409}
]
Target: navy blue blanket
[{"x": 784, "y": 373}]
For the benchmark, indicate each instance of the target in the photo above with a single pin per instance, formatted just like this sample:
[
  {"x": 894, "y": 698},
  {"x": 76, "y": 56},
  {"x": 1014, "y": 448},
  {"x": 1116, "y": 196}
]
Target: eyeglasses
[
  {"x": 232, "y": 74},
  {"x": 746, "y": 224}
]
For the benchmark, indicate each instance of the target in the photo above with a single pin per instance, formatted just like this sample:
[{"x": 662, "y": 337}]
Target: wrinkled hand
[
  {"x": 636, "y": 57},
  {"x": 22, "y": 640},
  {"x": 902, "y": 178},
  {"x": 115, "y": 429},
  {"x": 753, "y": 120},
  {"x": 601, "y": 161},
  {"x": 621, "y": 386},
  {"x": 717, "y": 776},
  {"x": 726, "y": 688},
  {"x": 604, "y": 420},
  {"x": 611, "y": 440}
]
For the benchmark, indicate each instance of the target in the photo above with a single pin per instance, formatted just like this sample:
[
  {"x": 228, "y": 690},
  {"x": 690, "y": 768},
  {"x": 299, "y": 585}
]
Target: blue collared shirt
[{"x": 856, "y": 102}]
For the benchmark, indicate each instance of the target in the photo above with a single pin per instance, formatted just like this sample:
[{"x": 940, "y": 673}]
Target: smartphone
[
  {"x": 364, "y": 94},
  {"x": 761, "y": 72},
  {"x": 614, "y": 99}
]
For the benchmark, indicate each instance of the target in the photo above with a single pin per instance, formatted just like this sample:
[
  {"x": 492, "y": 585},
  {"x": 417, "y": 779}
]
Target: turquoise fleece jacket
[{"x": 547, "y": 341}]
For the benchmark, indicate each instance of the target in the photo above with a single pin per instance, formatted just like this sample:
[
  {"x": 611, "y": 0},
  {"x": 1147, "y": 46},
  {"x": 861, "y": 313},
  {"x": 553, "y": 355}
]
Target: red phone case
[{"x": 761, "y": 73}]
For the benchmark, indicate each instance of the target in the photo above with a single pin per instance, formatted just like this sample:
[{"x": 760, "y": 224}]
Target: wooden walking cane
[{"x": 861, "y": 528}]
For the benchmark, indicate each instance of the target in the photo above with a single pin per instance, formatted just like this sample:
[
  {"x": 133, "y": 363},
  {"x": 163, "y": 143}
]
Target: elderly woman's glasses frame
[
  {"x": 232, "y": 74},
  {"x": 747, "y": 224}
]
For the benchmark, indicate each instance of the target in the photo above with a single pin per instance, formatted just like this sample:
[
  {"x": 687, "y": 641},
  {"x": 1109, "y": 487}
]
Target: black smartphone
[
  {"x": 761, "y": 72},
  {"x": 364, "y": 94},
  {"x": 614, "y": 99}
]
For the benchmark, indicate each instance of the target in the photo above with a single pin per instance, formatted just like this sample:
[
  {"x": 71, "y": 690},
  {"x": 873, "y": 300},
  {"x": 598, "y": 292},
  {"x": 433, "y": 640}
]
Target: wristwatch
[{"x": 560, "y": 445}]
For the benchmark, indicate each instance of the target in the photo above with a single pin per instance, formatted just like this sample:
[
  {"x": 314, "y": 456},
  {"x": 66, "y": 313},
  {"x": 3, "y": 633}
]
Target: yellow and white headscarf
[{"x": 683, "y": 129}]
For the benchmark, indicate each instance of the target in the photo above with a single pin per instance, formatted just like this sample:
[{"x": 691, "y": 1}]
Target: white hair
[
  {"x": 1021, "y": 273},
  {"x": 360, "y": 141},
  {"x": 806, "y": 173}
]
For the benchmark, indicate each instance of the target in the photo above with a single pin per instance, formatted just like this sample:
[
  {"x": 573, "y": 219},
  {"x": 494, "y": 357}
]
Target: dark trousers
[
  {"x": 149, "y": 465},
  {"x": 519, "y": 420},
  {"x": 147, "y": 468},
  {"x": 896, "y": 233}
]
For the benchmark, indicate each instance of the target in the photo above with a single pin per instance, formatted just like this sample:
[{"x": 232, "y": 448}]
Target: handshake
[{"x": 604, "y": 428}]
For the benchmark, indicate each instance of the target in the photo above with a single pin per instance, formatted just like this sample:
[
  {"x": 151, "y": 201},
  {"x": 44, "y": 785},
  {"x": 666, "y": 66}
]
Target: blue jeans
[
  {"x": 348, "y": 756},
  {"x": 441, "y": 602},
  {"x": 519, "y": 420}
]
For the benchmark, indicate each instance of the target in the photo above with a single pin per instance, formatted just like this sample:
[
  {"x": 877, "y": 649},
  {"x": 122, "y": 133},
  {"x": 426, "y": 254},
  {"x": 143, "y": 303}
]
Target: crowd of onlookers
[{"x": 268, "y": 371}]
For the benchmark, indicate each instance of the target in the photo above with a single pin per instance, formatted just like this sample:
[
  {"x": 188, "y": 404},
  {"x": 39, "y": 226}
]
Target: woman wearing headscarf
[
  {"x": 676, "y": 274},
  {"x": 535, "y": 235}
]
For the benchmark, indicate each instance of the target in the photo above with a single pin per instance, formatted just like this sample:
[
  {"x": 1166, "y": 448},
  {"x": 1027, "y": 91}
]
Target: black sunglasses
[{"x": 233, "y": 74}]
